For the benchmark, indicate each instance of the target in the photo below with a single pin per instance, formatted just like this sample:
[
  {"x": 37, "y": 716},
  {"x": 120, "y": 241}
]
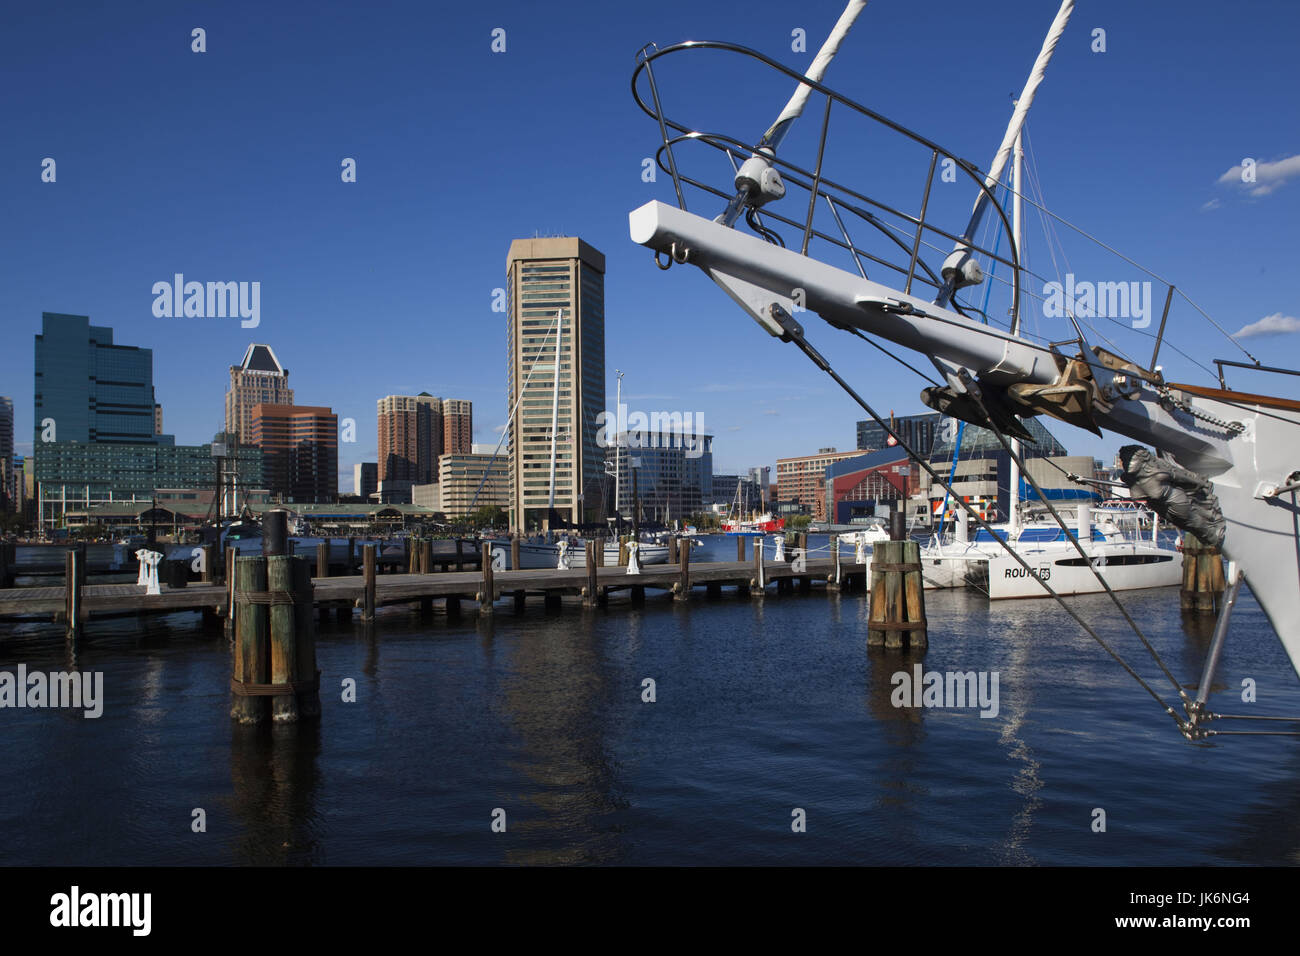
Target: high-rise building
[
  {"x": 917, "y": 432},
  {"x": 365, "y": 478},
  {"x": 259, "y": 379},
  {"x": 410, "y": 440},
  {"x": 157, "y": 419},
  {"x": 457, "y": 426},
  {"x": 7, "y": 483},
  {"x": 300, "y": 451},
  {"x": 90, "y": 389},
  {"x": 546, "y": 278}
]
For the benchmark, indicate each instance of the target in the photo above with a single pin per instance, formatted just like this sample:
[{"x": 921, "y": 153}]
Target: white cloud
[
  {"x": 1274, "y": 324},
  {"x": 1268, "y": 175},
  {"x": 1212, "y": 204}
]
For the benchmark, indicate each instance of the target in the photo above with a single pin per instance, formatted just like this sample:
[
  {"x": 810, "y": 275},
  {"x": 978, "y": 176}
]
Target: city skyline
[{"x": 333, "y": 257}]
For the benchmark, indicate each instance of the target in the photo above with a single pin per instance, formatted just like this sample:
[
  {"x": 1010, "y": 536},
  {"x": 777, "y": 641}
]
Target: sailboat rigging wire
[
  {"x": 862, "y": 335},
  {"x": 1074, "y": 540},
  {"x": 797, "y": 337}
]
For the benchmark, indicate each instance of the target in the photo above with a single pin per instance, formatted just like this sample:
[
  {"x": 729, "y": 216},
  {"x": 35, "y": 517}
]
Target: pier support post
[
  {"x": 835, "y": 579},
  {"x": 740, "y": 547},
  {"x": 368, "y": 580},
  {"x": 352, "y": 555},
  {"x": 1203, "y": 583},
  {"x": 488, "y": 595},
  {"x": 74, "y": 573},
  {"x": 897, "y": 596},
  {"x": 673, "y": 545},
  {"x": 760, "y": 572},
  {"x": 323, "y": 560},
  {"x": 514, "y": 552},
  {"x": 252, "y": 658},
  {"x": 684, "y": 584},
  {"x": 284, "y": 636},
  {"x": 589, "y": 592},
  {"x": 426, "y": 555}
]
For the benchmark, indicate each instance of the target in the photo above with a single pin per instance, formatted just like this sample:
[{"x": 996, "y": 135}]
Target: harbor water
[{"x": 762, "y": 707}]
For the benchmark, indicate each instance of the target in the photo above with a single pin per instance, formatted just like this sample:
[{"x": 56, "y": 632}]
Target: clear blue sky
[{"x": 226, "y": 166}]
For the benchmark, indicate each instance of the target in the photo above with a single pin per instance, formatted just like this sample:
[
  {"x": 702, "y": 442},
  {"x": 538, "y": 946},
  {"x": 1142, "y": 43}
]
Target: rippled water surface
[{"x": 763, "y": 706}]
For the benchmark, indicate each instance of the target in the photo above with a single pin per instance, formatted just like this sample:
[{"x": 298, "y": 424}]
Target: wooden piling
[
  {"x": 252, "y": 659},
  {"x": 73, "y": 569},
  {"x": 488, "y": 595},
  {"x": 426, "y": 556},
  {"x": 284, "y": 635},
  {"x": 368, "y": 576},
  {"x": 672, "y": 549},
  {"x": 589, "y": 596},
  {"x": 210, "y": 571},
  {"x": 323, "y": 560},
  {"x": 684, "y": 583},
  {"x": 305, "y": 628},
  {"x": 740, "y": 547},
  {"x": 1203, "y": 582},
  {"x": 514, "y": 553},
  {"x": 897, "y": 613}
]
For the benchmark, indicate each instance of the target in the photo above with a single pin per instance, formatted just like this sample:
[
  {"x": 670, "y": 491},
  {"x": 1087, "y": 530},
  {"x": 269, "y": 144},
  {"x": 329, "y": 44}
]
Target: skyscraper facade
[
  {"x": 300, "y": 451},
  {"x": 259, "y": 379},
  {"x": 90, "y": 389},
  {"x": 457, "y": 426},
  {"x": 7, "y": 482},
  {"x": 546, "y": 278},
  {"x": 410, "y": 439}
]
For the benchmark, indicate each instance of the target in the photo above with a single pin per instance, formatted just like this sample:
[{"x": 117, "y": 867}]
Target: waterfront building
[
  {"x": 866, "y": 484},
  {"x": 472, "y": 481},
  {"x": 259, "y": 379},
  {"x": 546, "y": 277},
  {"x": 299, "y": 445},
  {"x": 672, "y": 471},
  {"x": 801, "y": 481}
]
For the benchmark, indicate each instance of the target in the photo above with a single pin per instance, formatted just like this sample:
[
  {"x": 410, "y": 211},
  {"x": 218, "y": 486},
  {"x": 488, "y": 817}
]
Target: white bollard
[
  {"x": 151, "y": 560},
  {"x": 564, "y": 561},
  {"x": 632, "y": 566},
  {"x": 860, "y": 548},
  {"x": 142, "y": 576}
]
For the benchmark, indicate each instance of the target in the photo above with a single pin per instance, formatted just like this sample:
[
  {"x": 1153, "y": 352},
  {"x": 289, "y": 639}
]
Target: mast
[
  {"x": 618, "y": 442},
  {"x": 1013, "y": 505},
  {"x": 958, "y": 268},
  {"x": 555, "y": 412}
]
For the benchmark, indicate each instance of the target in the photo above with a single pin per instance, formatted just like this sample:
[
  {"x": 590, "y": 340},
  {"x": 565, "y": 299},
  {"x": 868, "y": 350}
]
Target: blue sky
[{"x": 225, "y": 166}]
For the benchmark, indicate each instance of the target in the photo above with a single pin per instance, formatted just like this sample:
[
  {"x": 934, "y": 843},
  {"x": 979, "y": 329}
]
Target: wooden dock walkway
[{"x": 347, "y": 592}]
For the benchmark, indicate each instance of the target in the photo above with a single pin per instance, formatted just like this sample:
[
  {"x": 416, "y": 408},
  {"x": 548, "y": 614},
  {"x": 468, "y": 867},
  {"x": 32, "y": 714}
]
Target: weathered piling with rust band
[
  {"x": 368, "y": 581},
  {"x": 284, "y": 636},
  {"x": 897, "y": 615},
  {"x": 1203, "y": 581}
]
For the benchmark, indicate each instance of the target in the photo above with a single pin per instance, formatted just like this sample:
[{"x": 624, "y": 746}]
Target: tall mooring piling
[
  {"x": 1203, "y": 583},
  {"x": 274, "y": 673},
  {"x": 897, "y": 616}
]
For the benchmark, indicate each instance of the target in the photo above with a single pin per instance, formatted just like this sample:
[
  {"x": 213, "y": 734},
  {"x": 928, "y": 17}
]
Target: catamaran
[{"x": 1213, "y": 462}]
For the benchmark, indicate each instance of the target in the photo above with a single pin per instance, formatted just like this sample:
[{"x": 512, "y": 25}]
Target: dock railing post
[
  {"x": 323, "y": 560},
  {"x": 73, "y": 568}
]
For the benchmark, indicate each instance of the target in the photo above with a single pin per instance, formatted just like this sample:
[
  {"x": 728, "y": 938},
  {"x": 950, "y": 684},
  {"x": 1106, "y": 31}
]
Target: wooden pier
[{"x": 370, "y": 590}]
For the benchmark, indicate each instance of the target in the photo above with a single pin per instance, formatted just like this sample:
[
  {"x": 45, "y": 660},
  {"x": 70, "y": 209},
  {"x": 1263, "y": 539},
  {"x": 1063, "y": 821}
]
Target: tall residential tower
[
  {"x": 259, "y": 379},
  {"x": 547, "y": 277}
]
